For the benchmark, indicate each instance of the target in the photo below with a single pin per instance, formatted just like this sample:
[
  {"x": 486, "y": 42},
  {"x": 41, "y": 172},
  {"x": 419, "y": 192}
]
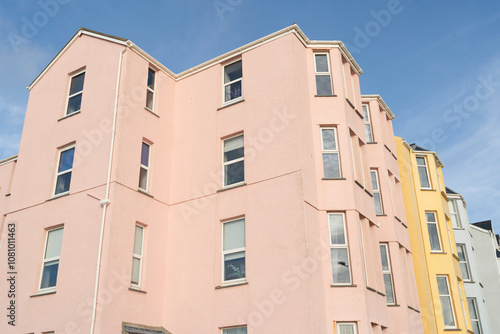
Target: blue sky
[{"x": 435, "y": 63}]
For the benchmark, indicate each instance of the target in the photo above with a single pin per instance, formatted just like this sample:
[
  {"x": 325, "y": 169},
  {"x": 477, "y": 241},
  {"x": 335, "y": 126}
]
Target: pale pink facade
[{"x": 285, "y": 199}]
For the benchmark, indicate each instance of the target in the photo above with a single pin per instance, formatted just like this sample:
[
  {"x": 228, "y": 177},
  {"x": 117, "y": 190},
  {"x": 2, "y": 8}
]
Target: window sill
[
  {"x": 371, "y": 142},
  {"x": 232, "y": 187},
  {"x": 369, "y": 193},
  {"x": 393, "y": 305},
  {"x": 381, "y": 215},
  {"x": 333, "y": 95},
  {"x": 343, "y": 285},
  {"x": 436, "y": 252},
  {"x": 145, "y": 192},
  {"x": 425, "y": 189},
  {"x": 328, "y": 178},
  {"x": 359, "y": 184},
  {"x": 151, "y": 111},
  {"x": 229, "y": 285},
  {"x": 43, "y": 293},
  {"x": 470, "y": 282},
  {"x": 137, "y": 290},
  {"x": 413, "y": 309},
  {"x": 231, "y": 103},
  {"x": 58, "y": 196},
  {"x": 68, "y": 116},
  {"x": 452, "y": 330},
  {"x": 399, "y": 220},
  {"x": 7, "y": 195},
  {"x": 387, "y": 147}
]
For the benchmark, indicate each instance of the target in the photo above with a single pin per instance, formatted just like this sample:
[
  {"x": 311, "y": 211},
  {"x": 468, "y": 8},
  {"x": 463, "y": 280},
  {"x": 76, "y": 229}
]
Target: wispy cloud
[{"x": 9, "y": 144}]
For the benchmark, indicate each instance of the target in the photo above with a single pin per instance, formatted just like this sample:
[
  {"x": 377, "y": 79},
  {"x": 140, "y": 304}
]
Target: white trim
[
  {"x": 224, "y": 84},
  {"x": 451, "y": 301},
  {"x": 381, "y": 102},
  {"x": 324, "y": 74},
  {"x": 44, "y": 261},
  {"x": 60, "y": 151},
  {"x": 69, "y": 95},
  {"x": 345, "y": 245},
  {"x": 368, "y": 121},
  {"x": 388, "y": 271},
  {"x": 437, "y": 231},
  {"x": 426, "y": 171},
  {"x": 377, "y": 191},
  {"x": 466, "y": 261},
  {"x": 146, "y": 168},
  {"x": 335, "y": 151},
  {"x": 233, "y": 251},
  {"x": 149, "y": 90},
  {"x": 9, "y": 159},
  {"x": 138, "y": 256},
  {"x": 224, "y": 164},
  {"x": 353, "y": 326}
]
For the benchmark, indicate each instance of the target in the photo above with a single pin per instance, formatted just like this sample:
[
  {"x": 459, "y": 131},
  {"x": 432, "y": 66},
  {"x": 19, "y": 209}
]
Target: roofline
[
  {"x": 440, "y": 163},
  {"x": 479, "y": 229},
  {"x": 294, "y": 28},
  {"x": 7, "y": 160},
  {"x": 458, "y": 196},
  {"x": 381, "y": 101}
]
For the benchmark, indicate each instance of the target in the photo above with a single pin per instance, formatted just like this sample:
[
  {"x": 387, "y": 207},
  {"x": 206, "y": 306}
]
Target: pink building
[{"x": 240, "y": 196}]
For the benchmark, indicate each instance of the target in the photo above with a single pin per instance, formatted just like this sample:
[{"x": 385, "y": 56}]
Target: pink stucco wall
[{"x": 284, "y": 200}]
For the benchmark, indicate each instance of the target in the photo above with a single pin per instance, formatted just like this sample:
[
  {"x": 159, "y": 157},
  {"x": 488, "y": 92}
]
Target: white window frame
[
  {"x": 455, "y": 214},
  {"x": 451, "y": 301},
  {"x": 224, "y": 84},
  {"x": 437, "y": 231},
  {"x": 226, "y": 163},
  {"x": 149, "y": 90},
  {"x": 377, "y": 191},
  {"x": 368, "y": 121},
  {"x": 345, "y": 245},
  {"x": 61, "y": 150},
  {"x": 224, "y": 330},
  {"x": 74, "y": 94},
  {"x": 329, "y": 73},
  {"x": 138, "y": 256},
  {"x": 426, "y": 172},
  {"x": 462, "y": 304},
  {"x": 44, "y": 260},
  {"x": 146, "y": 168},
  {"x": 466, "y": 262},
  {"x": 388, "y": 271},
  {"x": 335, "y": 151},
  {"x": 232, "y": 251},
  {"x": 352, "y": 324},
  {"x": 476, "y": 309}
]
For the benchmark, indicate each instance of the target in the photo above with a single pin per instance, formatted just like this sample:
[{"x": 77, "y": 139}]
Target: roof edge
[
  {"x": 9, "y": 159},
  {"x": 381, "y": 102}
]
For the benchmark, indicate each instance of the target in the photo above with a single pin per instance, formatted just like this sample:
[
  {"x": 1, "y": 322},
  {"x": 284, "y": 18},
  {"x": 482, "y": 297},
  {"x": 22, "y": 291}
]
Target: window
[
  {"x": 331, "y": 162},
  {"x": 455, "y": 217},
  {"x": 150, "y": 92},
  {"x": 144, "y": 171},
  {"x": 357, "y": 159},
  {"x": 346, "y": 328},
  {"x": 433, "y": 230},
  {"x": 368, "y": 124},
  {"x": 339, "y": 249},
  {"x": 387, "y": 272},
  {"x": 235, "y": 330},
  {"x": 322, "y": 71},
  {"x": 233, "y": 75},
  {"x": 464, "y": 265},
  {"x": 422, "y": 173},
  {"x": 75, "y": 93},
  {"x": 233, "y": 250},
  {"x": 137, "y": 256},
  {"x": 51, "y": 256},
  {"x": 379, "y": 210},
  {"x": 446, "y": 302},
  {"x": 64, "y": 170},
  {"x": 474, "y": 316},
  {"x": 234, "y": 164}
]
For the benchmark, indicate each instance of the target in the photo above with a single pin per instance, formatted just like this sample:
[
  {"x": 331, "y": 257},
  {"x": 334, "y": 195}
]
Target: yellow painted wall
[{"x": 428, "y": 264}]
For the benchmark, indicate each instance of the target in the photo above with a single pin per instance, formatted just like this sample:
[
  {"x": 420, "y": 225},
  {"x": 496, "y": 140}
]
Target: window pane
[
  {"x": 136, "y": 268},
  {"x": 149, "y": 100},
  {"x": 331, "y": 165},
  {"x": 138, "y": 240},
  {"x": 475, "y": 327},
  {"x": 389, "y": 293},
  {"x": 383, "y": 255},
  {"x": 145, "y": 155},
  {"x": 378, "y": 204},
  {"x": 460, "y": 251},
  {"x": 232, "y": 91},
  {"x": 239, "y": 330},
  {"x": 442, "y": 286},
  {"x": 234, "y": 173},
  {"x": 323, "y": 85},
  {"x": 321, "y": 63},
  {"x": 62, "y": 183},
  {"x": 66, "y": 160},
  {"x": 420, "y": 161},
  {"x": 74, "y": 104},
  {"x": 424, "y": 181},
  {"x": 340, "y": 265},
  {"x": 472, "y": 308},
  {"x": 365, "y": 113},
  {"x": 234, "y": 234},
  {"x": 433, "y": 237},
  {"x": 374, "y": 181},
  {"x": 346, "y": 329},
  {"x": 151, "y": 79},
  {"x": 143, "y": 179},
  {"x": 368, "y": 133},
  {"x": 54, "y": 241},
  {"x": 49, "y": 276},
  {"x": 430, "y": 217},
  {"x": 77, "y": 84},
  {"x": 234, "y": 266},
  {"x": 449, "y": 320},
  {"x": 233, "y": 148},
  {"x": 337, "y": 236},
  {"x": 328, "y": 136},
  {"x": 465, "y": 271},
  {"x": 232, "y": 72}
]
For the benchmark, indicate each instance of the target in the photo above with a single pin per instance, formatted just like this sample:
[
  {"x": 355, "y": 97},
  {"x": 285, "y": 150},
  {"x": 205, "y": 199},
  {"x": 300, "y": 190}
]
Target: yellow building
[{"x": 437, "y": 269}]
